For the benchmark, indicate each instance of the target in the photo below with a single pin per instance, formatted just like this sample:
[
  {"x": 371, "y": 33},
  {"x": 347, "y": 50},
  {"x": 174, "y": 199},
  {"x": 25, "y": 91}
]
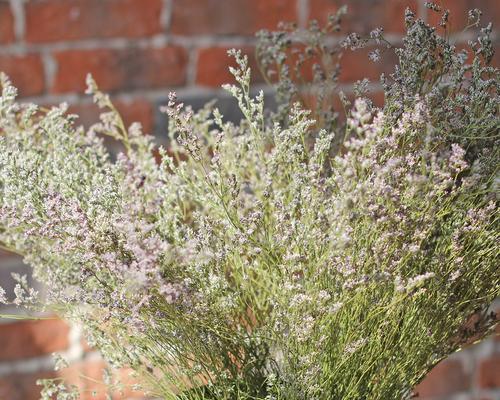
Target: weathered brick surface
[
  {"x": 365, "y": 15},
  {"x": 87, "y": 376},
  {"x": 22, "y": 386},
  {"x": 226, "y": 17},
  {"x": 446, "y": 378},
  {"x": 6, "y": 23},
  {"x": 58, "y": 20},
  {"x": 120, "y": 69},
  {"x": 21, "y": 340},
  {"x": 212, "y": 66},
  {"x": 356, "y": 65},
  {"x": 133, "y": 110},
  {"x": 489, "y": 372},
  {"x": 26, "y": 71},
  {"x": 459, "y": 9}
]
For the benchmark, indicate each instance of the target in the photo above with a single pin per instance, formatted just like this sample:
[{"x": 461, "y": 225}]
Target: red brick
[
  {"x": 304, "y": 72},
  {"x": 495, "y": 62},
  {"x": 135, "y": 110},
  {"x": 25, "y": 71},
  {"x": 378, "y": 98},
  {"x": 459, "y": 12},
  {"x": 356, "y": 65},
  {"x": 6, "y": 23},
  {"x": 489, "y": 373},
  {"x": 365, "y": 15},
  {"x": 88, "y": 377},
  {"x": 225, "y": 17},
  {"x": 123, "y": 69},
  {"x": 58, "y": 20},
  {"x": 6, "y": 254},
  {"x": 23, "y": 386},
  {"x": 496, "y": 332},
  {"x": 310, "y": 102},
  {"x": 32, "y": 338},
  {"x": 86, "y": 347},
  {"x": 213, "y": 66},
  {"x": 300, "y": 71},
  {"x": 446, "y": 378},
  {"x": 127, "y": 378}
]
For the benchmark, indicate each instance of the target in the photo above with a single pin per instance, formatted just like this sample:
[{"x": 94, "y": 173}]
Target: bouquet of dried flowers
[{"x": 285, "y": 257}]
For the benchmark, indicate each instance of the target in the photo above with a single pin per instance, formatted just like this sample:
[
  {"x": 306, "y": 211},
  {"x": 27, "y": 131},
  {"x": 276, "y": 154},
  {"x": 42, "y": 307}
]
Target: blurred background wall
[{"x": 138, "y": 51}]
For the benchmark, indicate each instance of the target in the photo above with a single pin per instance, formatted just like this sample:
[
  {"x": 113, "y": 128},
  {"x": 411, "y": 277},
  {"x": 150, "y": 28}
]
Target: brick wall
[{"x": 139, "y": 50}]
